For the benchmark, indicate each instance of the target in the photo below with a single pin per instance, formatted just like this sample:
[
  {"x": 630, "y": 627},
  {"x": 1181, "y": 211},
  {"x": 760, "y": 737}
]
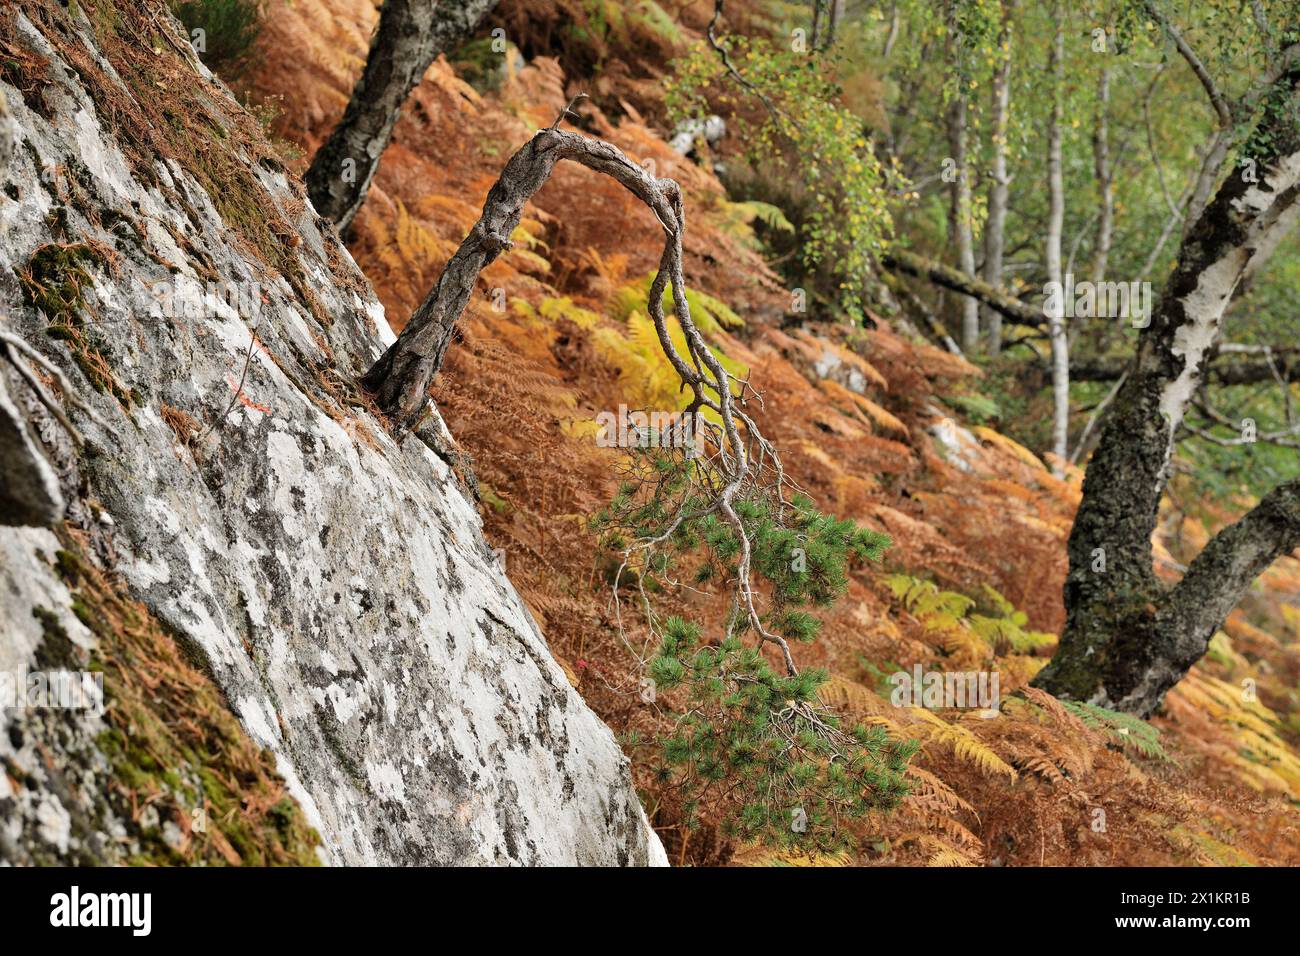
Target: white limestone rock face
[
  {"x": 53, "y": 777},
  {"x": 30, "y": 493},
  {"x": 334, "y": 582}
]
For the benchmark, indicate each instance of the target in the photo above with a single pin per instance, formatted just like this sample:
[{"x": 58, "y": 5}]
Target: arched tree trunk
[
  {"x": 1128, "y": 639},
  {"x": 410, "y": 35},
  {"x": 402, "y": 376}
]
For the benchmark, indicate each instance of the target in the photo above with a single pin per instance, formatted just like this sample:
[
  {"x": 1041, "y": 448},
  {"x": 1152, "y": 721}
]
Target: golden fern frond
[
  {"x": 1019, "y": 669},
  {"x": 711, "y": 315},
  {"x": 774, "y": 856},
  {"x": 1044, "y": 768},
  {"x": 964, "y": 744},
  {"x": 933, "y": 795},
  {"x": 943, "y": 853},
  {"x": 1013, "y": 448},
  {"x": 947, "y": 856},
  {"x": 526, "y": 233},
  {"x": 852, "y": 697},
  {"x": 1061, "y": 717},
  {"x": 1208, "y": 850},
  {"x": 962, "y": 644},
  {"x": 410, "y": 246},
  {"x": 878, "y": 417},
  {"x": 876, "y": 720},
  {"x": 459, "y": 213},
  {"x": 612, "y": 269},
  {"x": 949, "y": 827},
  {"x": 565, "y": 308},
  {"x": 528, "y": 262}
]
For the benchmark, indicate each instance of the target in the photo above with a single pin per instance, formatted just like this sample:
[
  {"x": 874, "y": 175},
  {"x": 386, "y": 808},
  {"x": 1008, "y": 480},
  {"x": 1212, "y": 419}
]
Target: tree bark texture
[
  {"x": 409, "y": 37},
  {"x": 959, "y": 218},
  {"x": 999, "y": 187},
  {"x": 1127, "y": 639},
  {"x": 1056, "y": 327}
]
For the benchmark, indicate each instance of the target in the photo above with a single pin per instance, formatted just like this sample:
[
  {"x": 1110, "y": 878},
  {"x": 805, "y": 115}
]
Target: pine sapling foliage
[{"x": 750, "y": 746}]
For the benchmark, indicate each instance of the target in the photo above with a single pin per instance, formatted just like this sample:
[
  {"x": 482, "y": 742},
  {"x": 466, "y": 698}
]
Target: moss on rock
[{"x": 193, "y": 786}]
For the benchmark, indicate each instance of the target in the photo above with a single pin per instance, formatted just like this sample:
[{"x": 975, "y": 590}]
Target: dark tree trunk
[
  {"x": 410, "y": 35},
  {"x": 1127, "y": 639},
  {"x": 900, "y": 260}
]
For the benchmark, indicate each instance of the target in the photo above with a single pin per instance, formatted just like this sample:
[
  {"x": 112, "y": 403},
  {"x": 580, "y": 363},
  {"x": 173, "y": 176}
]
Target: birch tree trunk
[
  {"x": 1104, "y": 173},
  {"x": 835, "y": 15},
  {"x": 1055, "y": 223},
  {"x": 1127, "y": 638},
  {"x": 960, "y": 219},
  {"x": 892, "y": 36},
  {"x": 995, "y": 228}
]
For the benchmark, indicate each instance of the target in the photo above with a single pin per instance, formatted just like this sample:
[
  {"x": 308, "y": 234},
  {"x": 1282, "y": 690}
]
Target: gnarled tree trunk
[
  {"x": 1127, "y": 638},
  {"x": 402, "y": 376},
  {"x": 410, "y": 35}
]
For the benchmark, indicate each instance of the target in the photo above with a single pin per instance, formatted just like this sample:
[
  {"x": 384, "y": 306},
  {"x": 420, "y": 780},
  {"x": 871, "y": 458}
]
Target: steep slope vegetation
[
  {"x": 243, "y": 538},
  {"x": 865, "y": 420}
]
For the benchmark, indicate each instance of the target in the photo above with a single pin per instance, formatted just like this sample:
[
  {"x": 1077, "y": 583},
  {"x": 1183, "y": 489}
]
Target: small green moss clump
[
  {"x": 56, "y": 278},
  {"x": 55, "y": 282},
  {"x": 56, "y": 650}
]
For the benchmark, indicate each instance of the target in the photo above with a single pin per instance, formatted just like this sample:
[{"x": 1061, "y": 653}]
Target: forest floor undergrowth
[{"x": 869, "y": 423}]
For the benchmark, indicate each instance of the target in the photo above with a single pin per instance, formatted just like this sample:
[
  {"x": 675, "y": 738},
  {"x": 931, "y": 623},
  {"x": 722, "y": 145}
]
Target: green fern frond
[
  {"x": 712, "y": 316},
  {"x": 1125, "y": 729},
  {"x": 655, "y": 19},
  {"x": 940, "y": 609},
  {"x": 769, "y": 215},
  {"x": 553, "y": 309},
  {"x": 978, "y": 408}
]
